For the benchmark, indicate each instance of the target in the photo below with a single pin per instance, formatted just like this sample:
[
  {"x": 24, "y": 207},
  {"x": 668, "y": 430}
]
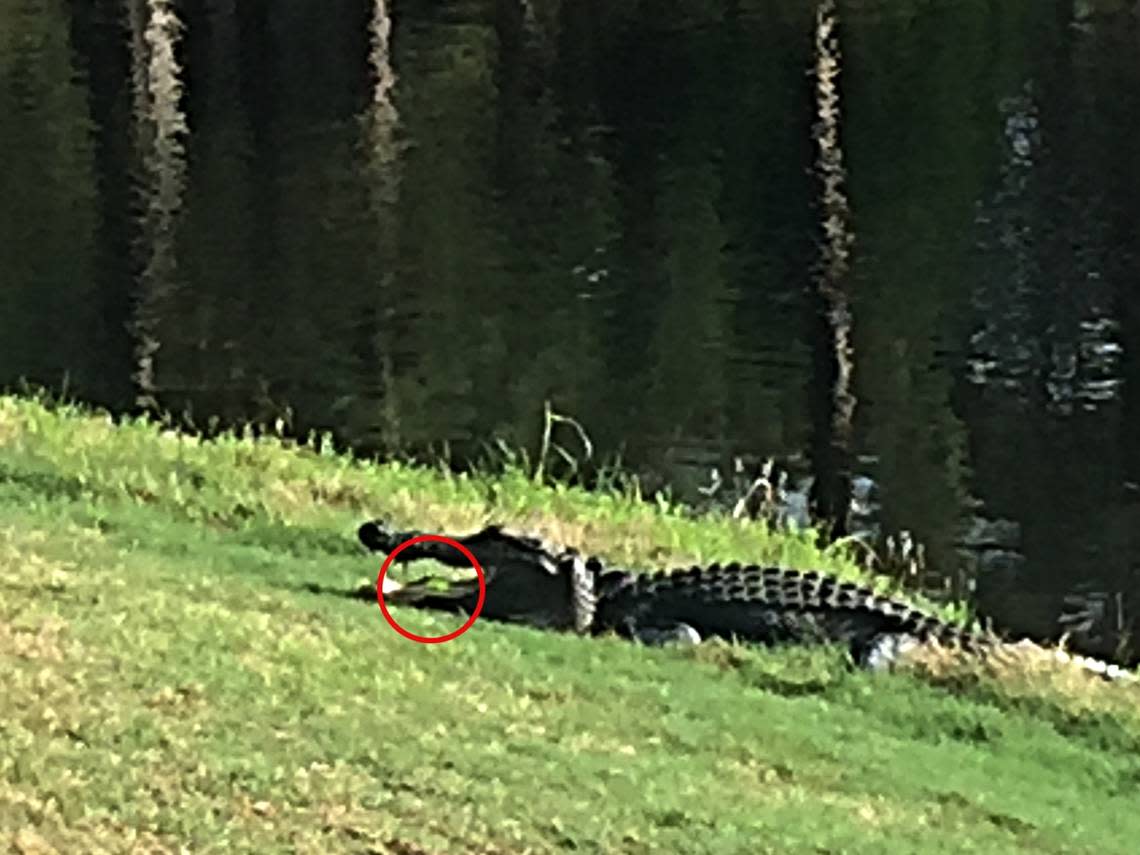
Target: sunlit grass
[
  {"x": 240, "y": 482},
  {"x": 169, "y": 683}
]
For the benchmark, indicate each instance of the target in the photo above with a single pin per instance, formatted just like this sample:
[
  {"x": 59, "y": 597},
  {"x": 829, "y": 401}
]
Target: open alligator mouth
[
  {"x": 452, "y": 592},
  {"x": 437, "y": 588},
  {"x": 525, "y": 580},
  {"x": 432, "y": 592}
]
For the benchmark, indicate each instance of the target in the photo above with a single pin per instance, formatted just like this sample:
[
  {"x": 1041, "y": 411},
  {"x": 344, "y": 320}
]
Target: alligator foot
[
  {"x": 884, "y": 651},
  {"x": 659, "y": 636}
]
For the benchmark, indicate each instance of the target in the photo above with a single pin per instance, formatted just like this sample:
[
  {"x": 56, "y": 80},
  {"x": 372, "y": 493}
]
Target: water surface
[{"x": 412, "y": 223}]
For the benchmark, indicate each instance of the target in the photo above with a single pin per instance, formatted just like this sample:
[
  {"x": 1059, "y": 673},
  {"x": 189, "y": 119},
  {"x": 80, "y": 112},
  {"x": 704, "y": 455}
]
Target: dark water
[{"x": 413, "y": 224}]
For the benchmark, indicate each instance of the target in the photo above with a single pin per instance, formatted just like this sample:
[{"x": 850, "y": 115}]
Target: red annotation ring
[{"x": 430, "y": 639}]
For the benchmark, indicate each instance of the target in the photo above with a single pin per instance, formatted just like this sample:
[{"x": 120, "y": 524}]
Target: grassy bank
[{"x": 169, "y": 682}]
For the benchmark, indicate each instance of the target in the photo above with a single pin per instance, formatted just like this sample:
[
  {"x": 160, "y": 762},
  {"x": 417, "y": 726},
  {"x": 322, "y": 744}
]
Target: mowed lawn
[{"x": 170, "y": 683}]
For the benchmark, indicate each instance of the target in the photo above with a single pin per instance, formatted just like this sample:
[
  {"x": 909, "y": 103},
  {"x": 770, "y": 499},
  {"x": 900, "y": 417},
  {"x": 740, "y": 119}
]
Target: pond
[{"x": 890, "y": 246}]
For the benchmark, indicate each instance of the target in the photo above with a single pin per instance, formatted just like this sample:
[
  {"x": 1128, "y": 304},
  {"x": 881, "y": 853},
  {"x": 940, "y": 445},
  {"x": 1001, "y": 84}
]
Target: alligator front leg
[{"x": 884, "y": 651}]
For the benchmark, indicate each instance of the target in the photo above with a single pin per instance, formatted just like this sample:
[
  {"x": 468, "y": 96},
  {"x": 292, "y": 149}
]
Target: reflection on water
[
  {"x": 412, "y": 224},
  {"x": 159, "y": 126}
]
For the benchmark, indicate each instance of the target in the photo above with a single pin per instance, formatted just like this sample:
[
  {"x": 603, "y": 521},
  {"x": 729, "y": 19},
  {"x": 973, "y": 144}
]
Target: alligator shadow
[{"x": 365, "y": 592}]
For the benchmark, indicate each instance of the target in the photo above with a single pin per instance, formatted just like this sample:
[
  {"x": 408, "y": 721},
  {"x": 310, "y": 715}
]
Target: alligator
[{"x": 541, "y": 584}]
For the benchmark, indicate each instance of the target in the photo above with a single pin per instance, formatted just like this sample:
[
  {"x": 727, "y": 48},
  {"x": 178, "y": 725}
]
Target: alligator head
[{"x": 526, "y": 581}]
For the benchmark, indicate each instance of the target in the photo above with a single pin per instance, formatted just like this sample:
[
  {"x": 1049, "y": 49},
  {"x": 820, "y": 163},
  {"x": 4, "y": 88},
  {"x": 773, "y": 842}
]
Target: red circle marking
[{"x": 430, "y": 639}]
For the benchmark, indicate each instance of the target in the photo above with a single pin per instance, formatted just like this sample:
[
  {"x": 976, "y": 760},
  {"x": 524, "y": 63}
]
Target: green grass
[{"x": 168, "y": 682}]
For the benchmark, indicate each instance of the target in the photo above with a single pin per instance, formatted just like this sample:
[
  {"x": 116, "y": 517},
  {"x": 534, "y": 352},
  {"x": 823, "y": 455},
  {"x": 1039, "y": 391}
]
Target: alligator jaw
[
  {"x": 378, "y": 537},
  {"x": 426, "y": 593}
]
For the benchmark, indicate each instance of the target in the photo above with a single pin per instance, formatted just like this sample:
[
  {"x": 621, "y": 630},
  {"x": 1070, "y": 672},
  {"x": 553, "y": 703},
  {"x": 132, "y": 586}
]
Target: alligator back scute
[{"x": 766, "y": 604}]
